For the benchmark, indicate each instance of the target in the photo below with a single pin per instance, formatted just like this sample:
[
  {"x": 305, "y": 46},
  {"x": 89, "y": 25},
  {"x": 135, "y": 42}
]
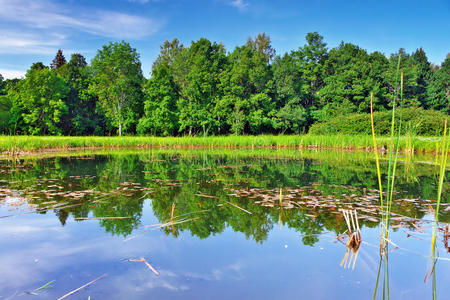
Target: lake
[{"x": 217, "y": 224}]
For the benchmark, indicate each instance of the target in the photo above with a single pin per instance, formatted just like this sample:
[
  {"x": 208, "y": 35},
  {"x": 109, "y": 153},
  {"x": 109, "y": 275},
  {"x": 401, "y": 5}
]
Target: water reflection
[
  {"x": 219, "y": 223},
  {"x": 218, "y": 189}
]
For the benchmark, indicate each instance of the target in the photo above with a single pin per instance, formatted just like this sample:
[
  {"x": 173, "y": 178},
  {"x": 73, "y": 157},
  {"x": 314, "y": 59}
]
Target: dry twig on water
[
  {"x": 235, "y": 205},
  {"x": 81, "y": 287},
  {"x": 145, "y": 262}
]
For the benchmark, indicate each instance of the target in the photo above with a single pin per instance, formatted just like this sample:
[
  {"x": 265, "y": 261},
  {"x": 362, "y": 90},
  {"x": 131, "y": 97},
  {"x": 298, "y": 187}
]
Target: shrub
[{"x": 415, "y": 121}]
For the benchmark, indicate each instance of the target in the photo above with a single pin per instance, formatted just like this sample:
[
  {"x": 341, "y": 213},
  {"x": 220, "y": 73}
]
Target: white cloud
[
  {"x": 240, "y": 4},
  {"x": 11, "y": 74},
  {"x": 50, "y": 16},
  {"x": 17, "y": 42}
]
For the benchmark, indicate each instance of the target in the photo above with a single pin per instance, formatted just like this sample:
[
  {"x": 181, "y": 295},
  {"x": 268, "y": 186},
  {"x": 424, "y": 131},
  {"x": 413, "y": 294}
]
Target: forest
[{"x": 203, "y": 89}]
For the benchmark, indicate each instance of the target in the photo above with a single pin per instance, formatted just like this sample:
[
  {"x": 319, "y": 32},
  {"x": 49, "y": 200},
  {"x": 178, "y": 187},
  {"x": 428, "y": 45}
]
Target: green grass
[{"x": 346, "y": 142}]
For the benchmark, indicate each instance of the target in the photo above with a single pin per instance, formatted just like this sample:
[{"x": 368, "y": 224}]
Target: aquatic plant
[
  {"x": 443, "y": 163},
  {"x": 21, "y": 144},
  {"x": 393, "y": 150}
]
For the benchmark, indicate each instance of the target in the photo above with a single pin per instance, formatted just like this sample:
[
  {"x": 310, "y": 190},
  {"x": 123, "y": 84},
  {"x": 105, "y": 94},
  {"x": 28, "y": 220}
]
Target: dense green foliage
[
  {"x": 117, "y": 79},
  {"x": 202, "y": 89},
  {"x": 415, "y": 121}
]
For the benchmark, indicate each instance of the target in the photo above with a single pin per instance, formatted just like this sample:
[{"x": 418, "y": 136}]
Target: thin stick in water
[
  {"x": 81, "y": 287},
  {"x": 147, "y": 264},
  {"x": 235, "y": 205},
  {"x": 102, "y": 218}
]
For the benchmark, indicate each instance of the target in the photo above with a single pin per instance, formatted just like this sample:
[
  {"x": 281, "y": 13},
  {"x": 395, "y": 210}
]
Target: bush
[{"x": 415, "y": 121}]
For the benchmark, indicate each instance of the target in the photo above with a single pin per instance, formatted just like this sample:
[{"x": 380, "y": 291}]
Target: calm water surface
[{"x": 230, "y": 235}]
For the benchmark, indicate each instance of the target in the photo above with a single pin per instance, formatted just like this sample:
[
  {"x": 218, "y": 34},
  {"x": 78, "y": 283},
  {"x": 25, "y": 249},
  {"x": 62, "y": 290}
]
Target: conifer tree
[{"x": 59, "y": 60}]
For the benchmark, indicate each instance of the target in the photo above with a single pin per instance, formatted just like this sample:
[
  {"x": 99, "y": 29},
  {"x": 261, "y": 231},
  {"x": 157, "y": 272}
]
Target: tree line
[{"x": 202, "y": 89}]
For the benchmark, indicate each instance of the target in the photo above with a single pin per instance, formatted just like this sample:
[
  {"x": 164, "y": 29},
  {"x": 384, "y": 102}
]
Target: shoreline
[{"x": 27, "y": 145}]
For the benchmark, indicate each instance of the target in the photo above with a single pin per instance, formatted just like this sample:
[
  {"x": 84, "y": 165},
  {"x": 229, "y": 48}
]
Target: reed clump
[
  {"x": 354, "y": 238},
  {"x": 16, "y": 145}
]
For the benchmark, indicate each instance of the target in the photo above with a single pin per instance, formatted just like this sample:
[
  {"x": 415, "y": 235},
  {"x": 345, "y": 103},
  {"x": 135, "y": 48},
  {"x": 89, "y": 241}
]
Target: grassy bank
[{"x": 9, "y": 144}]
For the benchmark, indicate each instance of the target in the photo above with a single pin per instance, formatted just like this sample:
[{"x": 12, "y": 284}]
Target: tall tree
[
  {"x": 424, "y": 74},
  {"x": 161, "y": 93},
  {"x": 39, "y": 102},
  {"x": 410, "y": 76},
  {"x": 349, "y": 80},
  {"x": 310, "y": 60},
  {"x": 262, "y": 45},
  {"x": 168, "y": 53},
  {"x": 438, "y": 90},
  {"x": 160, "y": 106},
  {"x": 117, "y": 82},
  {"x": 9, "y": 114},
  {"x": 59, "y": 60},
  {"x": 5, "y": 106},
  {"x": 291, "y": 115},
  {"x": 204, "y": 62},
  {"x": 83, "y": 117},
  {"x": 248, "y": 88}
]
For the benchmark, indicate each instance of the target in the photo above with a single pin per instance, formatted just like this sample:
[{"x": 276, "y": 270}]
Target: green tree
[
  {"x": 83, "y": 117},
  {"x": 198, "y": 93},
  {"x": 160, "y": 106},
  {"x": 310, "y": 60},
  {"x": 424, "y": 74},
  {"x": 169, "y": 51},
  {"x": 161, "y": 93},
  {"x": 291, "y": 115},
  {"x": 39, "y": 101},
  {"x": 117, "y": 81},
  {"x": 438, "y": 90},
  {"x": 5, "y": 107},
  {"x": 349, "y": 79},
  {"x": 248, "y": 88},
  {"x": 410, "y": 78},
  {"x": 38, "y": 66},
  {"x": 9, "y": 112}
]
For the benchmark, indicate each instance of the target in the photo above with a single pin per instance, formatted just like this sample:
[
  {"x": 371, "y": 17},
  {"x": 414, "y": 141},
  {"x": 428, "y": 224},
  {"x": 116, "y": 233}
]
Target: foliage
[
  {"x": 438, "y": 90},
  {"x": 59, "y": 60},
  {"x": 202, "y": 89},
  {"x": 349, "y": 80},
  {"x": 204, "y": 62},
  {"x": 248, "y": 88},
  {"x": 117, "y": 79},
  {"x": 38, "y": 102},
  {"x": 83, "y": 117},
  {"x": 415, "y": 120}
]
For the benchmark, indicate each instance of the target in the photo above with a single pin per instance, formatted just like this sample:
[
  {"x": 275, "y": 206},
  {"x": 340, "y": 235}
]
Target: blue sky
[{"x": 33, "y": 30}]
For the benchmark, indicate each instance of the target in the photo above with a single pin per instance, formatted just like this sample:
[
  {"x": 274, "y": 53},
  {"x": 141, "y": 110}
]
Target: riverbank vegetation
[
  {"x": 203, "y": 89},
  {"x": 20, "y": 144}
]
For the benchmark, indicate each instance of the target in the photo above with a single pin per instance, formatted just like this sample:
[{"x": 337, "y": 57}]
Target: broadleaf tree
[{"x": 117, "y": 79}]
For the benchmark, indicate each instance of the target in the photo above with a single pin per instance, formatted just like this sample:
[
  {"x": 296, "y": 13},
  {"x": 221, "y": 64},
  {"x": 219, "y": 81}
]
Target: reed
[
  {"x": 13, "y": 145},
  {"x": 393, "y": 151},
  {"x": 444, "y": 154},
  {"x": 443, "y": 163}
]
